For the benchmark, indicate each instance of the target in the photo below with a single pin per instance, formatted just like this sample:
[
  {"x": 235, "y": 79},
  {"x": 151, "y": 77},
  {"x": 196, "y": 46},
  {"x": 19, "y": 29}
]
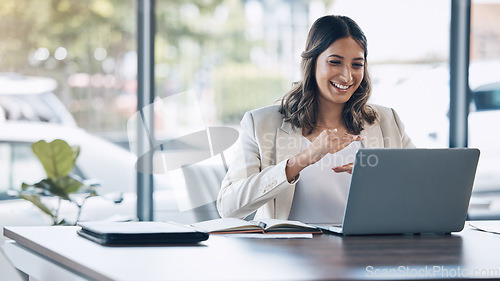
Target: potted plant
[{"x": 58, "y": 159}]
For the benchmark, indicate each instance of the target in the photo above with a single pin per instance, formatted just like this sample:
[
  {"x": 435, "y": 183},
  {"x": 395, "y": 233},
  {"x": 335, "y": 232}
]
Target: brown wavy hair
[{"x": 300, "y": 105}]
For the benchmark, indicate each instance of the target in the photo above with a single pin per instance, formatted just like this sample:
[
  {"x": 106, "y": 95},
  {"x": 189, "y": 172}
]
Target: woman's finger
[{"x": 347, "y": 168}]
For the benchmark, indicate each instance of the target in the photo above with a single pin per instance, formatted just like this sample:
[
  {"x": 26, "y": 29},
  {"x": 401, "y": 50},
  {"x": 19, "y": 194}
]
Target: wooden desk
[{"x": 58, "y": 253}]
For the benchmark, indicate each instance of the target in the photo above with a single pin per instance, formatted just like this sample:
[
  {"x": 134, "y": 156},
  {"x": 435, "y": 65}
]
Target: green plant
[{"x": 58, "y": 159}]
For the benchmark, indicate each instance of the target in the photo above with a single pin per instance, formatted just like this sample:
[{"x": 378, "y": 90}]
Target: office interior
[{"x": 90, "y": 69}]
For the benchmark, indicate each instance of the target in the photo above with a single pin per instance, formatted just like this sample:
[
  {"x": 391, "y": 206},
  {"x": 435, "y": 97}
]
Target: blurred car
[
  {"x": 31, "y": 99},
  {"x": 484, "y": 132},
  {"x": 110, "y": 164},
  {"x": 98, "y": 159},
  {"x": 422, "y": 101}
]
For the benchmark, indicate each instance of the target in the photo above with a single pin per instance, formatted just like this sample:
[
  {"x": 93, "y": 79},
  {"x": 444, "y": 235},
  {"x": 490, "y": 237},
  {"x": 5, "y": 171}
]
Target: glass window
[
  {"x": 408, "y": 60},
  {"x": 18, "y": 164},
  {"x": 71, "y": 63},
  {"x": 484, "y": 80},
  {"x": 87, "y": 47},
  {"x": 235, "y": 56},
  {"x": 215, "y": 60}
]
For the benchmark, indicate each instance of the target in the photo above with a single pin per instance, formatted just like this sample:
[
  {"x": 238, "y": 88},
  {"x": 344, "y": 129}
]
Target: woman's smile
[{"x": 339, "y": 86}]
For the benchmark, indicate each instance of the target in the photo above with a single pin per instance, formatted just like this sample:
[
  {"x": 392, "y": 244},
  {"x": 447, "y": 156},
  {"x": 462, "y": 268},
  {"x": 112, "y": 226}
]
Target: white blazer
[{"x": 256, "y": 179}]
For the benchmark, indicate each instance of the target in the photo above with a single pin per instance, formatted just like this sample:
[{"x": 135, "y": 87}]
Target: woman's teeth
[{"x": 343, "y": 87}]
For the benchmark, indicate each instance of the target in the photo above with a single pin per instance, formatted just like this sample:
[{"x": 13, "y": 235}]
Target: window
[
  {"x": 485, "y": 90},
  {"x": 408, "y": 61},
  {"x": 18, "y": 164}
]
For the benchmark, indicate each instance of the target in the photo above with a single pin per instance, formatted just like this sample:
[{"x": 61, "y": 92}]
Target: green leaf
[
  {"x": 68, "y": 184},
  {"x": 35, "y": 199},
  {"x": 25, "y": 186},
  {"x": 57, "y": 157},
  {"x": 63, "y": 222},
  {"x": 61, "y": 187},
  {"x": 52, "y": 187}
]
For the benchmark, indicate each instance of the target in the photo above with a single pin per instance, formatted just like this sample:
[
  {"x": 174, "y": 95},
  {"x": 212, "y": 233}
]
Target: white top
[{"x": 321, "y": 194}]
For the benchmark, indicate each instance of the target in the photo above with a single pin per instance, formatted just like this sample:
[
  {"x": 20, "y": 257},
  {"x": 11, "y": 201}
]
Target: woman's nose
[{"x": 346, "y": 74}]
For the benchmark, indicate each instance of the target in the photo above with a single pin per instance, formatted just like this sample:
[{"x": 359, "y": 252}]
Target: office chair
[{"x": 203, "y": 184}]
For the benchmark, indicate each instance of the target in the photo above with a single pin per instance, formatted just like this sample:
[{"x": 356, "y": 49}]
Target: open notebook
[{"x": 235, "y": 225}]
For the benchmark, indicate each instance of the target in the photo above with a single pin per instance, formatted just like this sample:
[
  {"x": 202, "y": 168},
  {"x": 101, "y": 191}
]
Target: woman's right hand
[{"x": 328, "y": 141}]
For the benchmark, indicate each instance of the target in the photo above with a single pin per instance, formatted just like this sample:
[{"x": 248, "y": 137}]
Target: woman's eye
[
  {"x": 358, "y": 65},
  {"x": 334, "y": 62}
]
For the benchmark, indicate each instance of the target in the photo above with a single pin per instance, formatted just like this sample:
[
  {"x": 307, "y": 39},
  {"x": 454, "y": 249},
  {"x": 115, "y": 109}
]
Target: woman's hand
[
  {"x": 328, "y": 141},
  {"x": 347, "y": 168}
]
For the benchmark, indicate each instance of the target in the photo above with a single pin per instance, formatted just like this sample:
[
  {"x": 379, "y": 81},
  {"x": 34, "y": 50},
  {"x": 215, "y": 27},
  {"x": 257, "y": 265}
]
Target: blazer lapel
[
  {"x": 288, "y": 143},
  {"x": 373, "y": 136}
]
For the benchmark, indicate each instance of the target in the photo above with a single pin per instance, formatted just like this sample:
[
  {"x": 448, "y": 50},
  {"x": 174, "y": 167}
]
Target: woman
[{"x": 294, "y": 160}]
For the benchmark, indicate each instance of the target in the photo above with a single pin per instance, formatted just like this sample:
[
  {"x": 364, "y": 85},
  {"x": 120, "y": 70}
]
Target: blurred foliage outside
[
  {"x": 89, "y": 47},
  {"x": 241, "y": 88},
  {"x": 82, "y": 44}
]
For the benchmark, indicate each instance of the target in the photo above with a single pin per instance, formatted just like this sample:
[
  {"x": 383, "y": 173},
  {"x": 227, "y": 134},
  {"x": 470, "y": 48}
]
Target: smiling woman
[{"x": 279, "y": 170}]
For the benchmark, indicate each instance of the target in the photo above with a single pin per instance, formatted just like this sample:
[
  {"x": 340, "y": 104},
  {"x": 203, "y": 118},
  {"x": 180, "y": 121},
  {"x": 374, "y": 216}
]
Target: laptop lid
[{"x": 410, "y": 191}]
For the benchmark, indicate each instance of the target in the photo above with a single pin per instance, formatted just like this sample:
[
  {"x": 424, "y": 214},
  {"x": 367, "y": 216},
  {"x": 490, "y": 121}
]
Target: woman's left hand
[{"x": 347, "y": 168}]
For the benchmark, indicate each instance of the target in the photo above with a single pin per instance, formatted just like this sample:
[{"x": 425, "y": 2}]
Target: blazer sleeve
[{"x": 252, "y": 179}]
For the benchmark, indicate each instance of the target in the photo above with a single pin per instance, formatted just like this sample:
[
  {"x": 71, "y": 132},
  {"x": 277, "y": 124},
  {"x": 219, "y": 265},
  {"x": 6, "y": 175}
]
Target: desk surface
[{"x": 470, "y": 253}]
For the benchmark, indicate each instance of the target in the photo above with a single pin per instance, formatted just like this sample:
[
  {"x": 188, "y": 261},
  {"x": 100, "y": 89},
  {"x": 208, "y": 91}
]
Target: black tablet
[{"x": 140, "y": 233}]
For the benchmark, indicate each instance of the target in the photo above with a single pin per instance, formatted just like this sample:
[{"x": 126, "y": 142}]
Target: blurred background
[{"x": 68, "y": 69}]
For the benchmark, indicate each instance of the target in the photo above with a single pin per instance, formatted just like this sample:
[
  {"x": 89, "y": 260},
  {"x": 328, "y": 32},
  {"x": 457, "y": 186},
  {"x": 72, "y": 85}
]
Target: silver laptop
[{"x": 395, "y": 191}]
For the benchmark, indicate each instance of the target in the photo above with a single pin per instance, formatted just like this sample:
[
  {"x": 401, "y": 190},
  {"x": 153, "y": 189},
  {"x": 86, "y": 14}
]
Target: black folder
[{"x": 140, "y": 233}]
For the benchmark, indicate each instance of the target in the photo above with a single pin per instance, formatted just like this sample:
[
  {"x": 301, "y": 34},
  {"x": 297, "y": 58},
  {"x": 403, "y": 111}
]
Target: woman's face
[{"x": 339, "y": 71}]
